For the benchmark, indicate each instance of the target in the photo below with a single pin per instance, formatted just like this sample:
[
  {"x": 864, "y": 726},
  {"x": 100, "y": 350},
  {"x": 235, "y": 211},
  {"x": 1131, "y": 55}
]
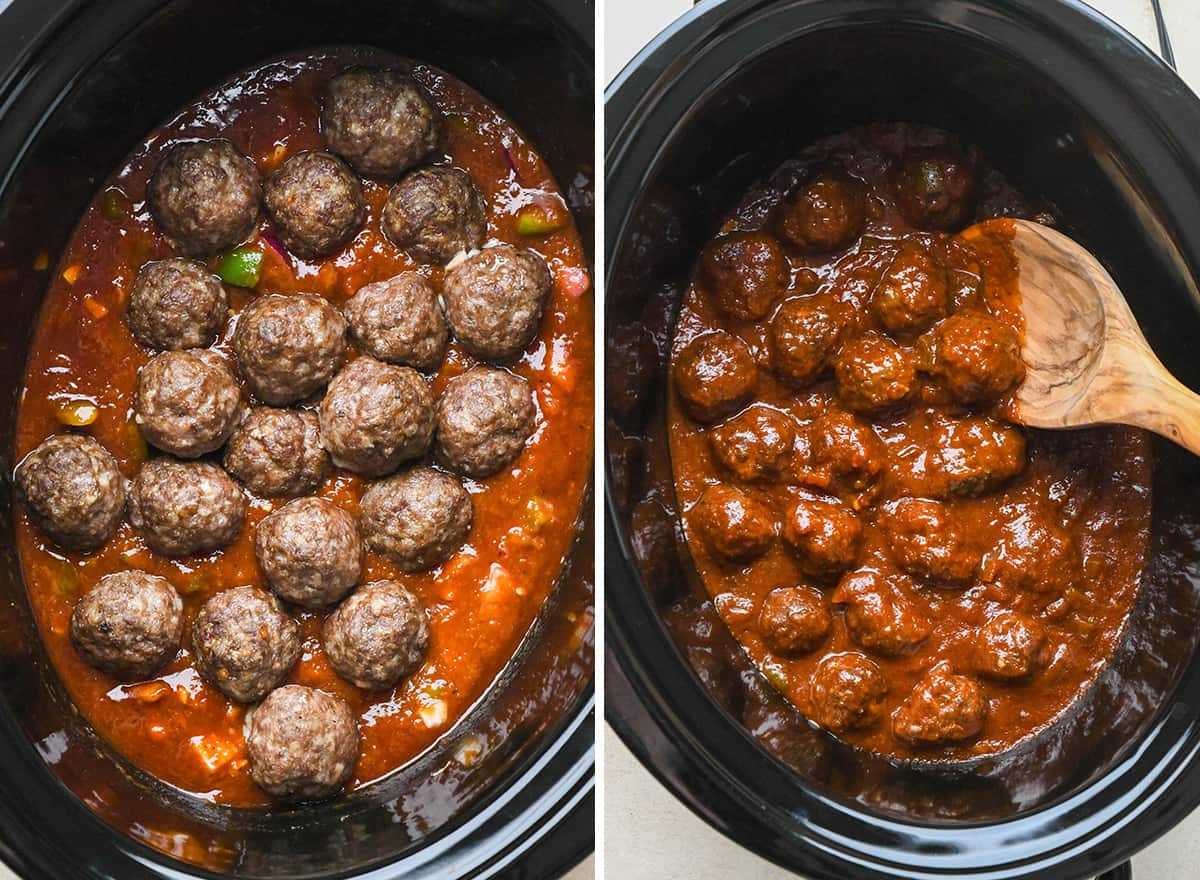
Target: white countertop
[{"x": 649, "y": 833}]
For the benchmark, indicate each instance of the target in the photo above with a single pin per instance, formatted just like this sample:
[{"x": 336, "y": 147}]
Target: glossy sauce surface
[{"x": 480, "y": 603}]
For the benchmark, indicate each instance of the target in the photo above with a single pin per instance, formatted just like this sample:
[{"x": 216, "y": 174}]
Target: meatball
[
  {"x": 973, "y": 456},
  {"x": 129, "y": 625},
  {"x": 1010, "y": 646},
  {"x": 755, "y": 444},
  {"x": 377, "y": 636},
  {"x": 734, "y": 526},
  {"x": 484, "y": 418},
  {"x": 494, "y": 301},
  {"x": 825, "y": 214},
  {"x": 182, "y": 508},
  {"x": 244, "y": 643},
  {"x": 73, "y": 491},
  {"x": 278, "y": 452},
  {"x": 434, "y": 213},
  {"x": 935, "y": 189},
  {"x": 289, "y": 347},
  {"x": 715, "y": 376},
  {"x": 927, "y": 544},
  {"x": 825, "y": 537},
  {"x": 302, "y": 743},
  {"x": 1035, "y": 554},
  {"x": 399, "y": 321},
  {"x": 794, "y": 620},
  {"x": 376, "y": 416},
  {"x": 804, "y": 336},
  {"x": 874, "y": 374},
  {"x": 176, "y": 304},
  {"x": 848, "y": 691},
  {"x": 187, "y": 402},
  {"x": 745, "y": 273},
  {"x": 977, "y": 358},
  {"x": 911, "y": 297},
  {"x": 204, "y": 195},
  {"x": 315, "y": 202},
  {"x": 879, "y": 614},
  {"x": 852, "y": 452},
  {"x": 310, "y": 552},
  {"x": 380, "y": 121},
  {"x": 943, "y": 708},
  {"x": 418, "y": 519}
]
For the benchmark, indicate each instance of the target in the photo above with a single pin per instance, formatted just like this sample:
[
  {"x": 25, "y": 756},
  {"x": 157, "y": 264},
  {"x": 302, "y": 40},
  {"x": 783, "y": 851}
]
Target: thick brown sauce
[
  {"x": 1090, "y": 489},
  {"x": 480, "y": 603}
]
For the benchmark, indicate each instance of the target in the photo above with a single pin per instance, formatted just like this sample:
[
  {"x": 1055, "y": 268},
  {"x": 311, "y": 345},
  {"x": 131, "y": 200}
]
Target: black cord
[{"x": 1164, "y": 39}]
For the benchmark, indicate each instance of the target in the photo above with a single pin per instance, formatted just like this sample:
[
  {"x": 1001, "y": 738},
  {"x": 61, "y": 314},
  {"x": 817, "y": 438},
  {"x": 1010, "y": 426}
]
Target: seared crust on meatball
[
  {"x": 176, "y": 304},
  {"x": 942, "y": 708},
  {"x": 315, "y": 202},
  {"x": 977, "y": 358},
  {"x": 244, "y": 643},
  {"x": 927, "y": 544},
  {"x": 128, "y": 625},
  {"x": 418, "y": 519},
  {"x": 736, "y": 528},
  {"x": 73, "y": 491},
  {"x": 804, "y": 336},
  {"x": 377, "y": 636},
  {"x": 399, "y": 321},
  {"x": 278, "y": 452},
  {"x": 824, "y": 536},
  {"x": 848, "y": 692},
  {"x": 744, "y": 273},
  {"x": 879, "y": 613},
  {"x": 302, "y": 743},
  {"x": 794, "y": 620},
  {"x": 912, "y": 294},
  {"x": 715, "y": 376},
  {"x": 824, "y": 214},
  {"x": 187, "y": 402},
  {"x": 289, "y": 347},
  {"x": 182, "y": 508},
  {"x": 484, "y": 418},
  {"x": 433, "y": 213},
  {"x": 756, "y": 443},
  {"x": 874, "y": 374},
  {"x": 376, "y": 416},
  {"x": 935, "y": 188},
  {"x": 1010, "y": 646},
  {"x": 494, "y": 301},
  {"x": 310, "y": 552},
  {"x": 204, "y": 195},
  {"x": 380, "y": 121}
]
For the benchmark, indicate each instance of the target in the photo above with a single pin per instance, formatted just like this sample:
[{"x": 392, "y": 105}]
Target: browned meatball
[
  {"x": 1010, "y": 646},
  {"x": 302, "y": 743},
  {"x": 289, "y": 347},
  {"x": 278, "y": 452},
  {"x": 376, "y": 416},
  {"x": 794, "y": 620},
  {"x": 434, "y": 213},
  {"x": 204, "y": 195},
  {"x": 879, "y": 614},
  {"x": 972, "y": 456},
  {"x": 874, "y": 374},
  {"x": 182, "y": 508},
  {"x": 399, "y": 321},
  {"x": 310, "y": 552},
  {"x": 244, "y": 643},
  {"x": 715, "y": 376},
  {"x": 734, "y": 526},
  {"x": 804, "y": 337},
  {"x": 494, "y": 301},
  {"x": 377, "y": 636},
  {"x": 935, "y": 189},
  {"x": 129, "y": 625},
  {"x": 187, "y": 402},
  {"x": 825, "y": 537},
  {"x": 484, "y": 418},
  {"x": 380, "y": 121},
  {"x": 755, "y": 444},
  {"x": 942, "y": 708},
  {"x": 926, "y": 543},
  {"x": 745, "y": 273},
  {"x": 315, "y": 202},
  {"x": 911, "y": 296},
  {"x": 977, "y": 358},
  {"x": 848, "y": 691},
  {"x": 851, "y": 451},
  {"x": 825, "y": 214},
  {"x": 1035, "y": 554},
  {"x": 73, "y": 491},
  {"x": 176, "y": 304},
  {"x": 418, "y": 519}
]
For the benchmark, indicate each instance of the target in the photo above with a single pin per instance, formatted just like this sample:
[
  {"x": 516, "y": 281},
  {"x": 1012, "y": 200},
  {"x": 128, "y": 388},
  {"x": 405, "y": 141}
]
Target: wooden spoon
[{"x": 1087, "y": 361}]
